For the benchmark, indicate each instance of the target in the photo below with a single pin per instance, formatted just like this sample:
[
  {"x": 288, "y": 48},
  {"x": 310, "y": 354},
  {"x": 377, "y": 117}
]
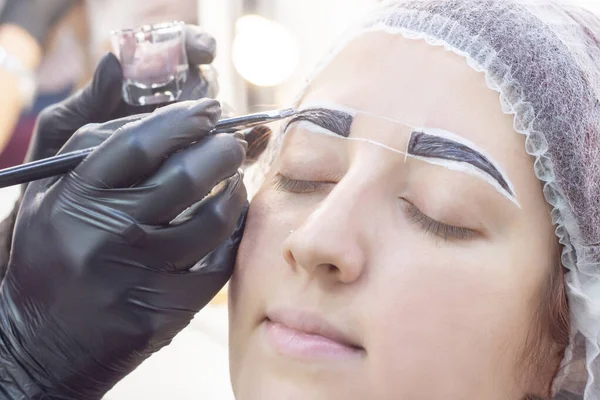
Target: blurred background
[{"x": 266, "y": 51}]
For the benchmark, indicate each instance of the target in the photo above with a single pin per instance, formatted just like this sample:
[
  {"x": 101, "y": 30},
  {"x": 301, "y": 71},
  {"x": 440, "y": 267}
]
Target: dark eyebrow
[
  {"x": 431, "y": 146},
  {"x": 338, "y": 122}
]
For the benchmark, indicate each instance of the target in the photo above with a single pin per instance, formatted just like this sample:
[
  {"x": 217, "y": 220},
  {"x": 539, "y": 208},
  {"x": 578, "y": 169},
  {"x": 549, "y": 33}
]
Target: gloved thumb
[
  {"x": 99, "y": 100},
  {"x": 94, "y": 103},
  {"x": 222, "y": 260}
]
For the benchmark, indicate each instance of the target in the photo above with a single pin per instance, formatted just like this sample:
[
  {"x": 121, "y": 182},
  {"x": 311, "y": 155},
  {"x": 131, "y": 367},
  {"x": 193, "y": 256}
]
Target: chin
[{"x": 261, "y": 386}]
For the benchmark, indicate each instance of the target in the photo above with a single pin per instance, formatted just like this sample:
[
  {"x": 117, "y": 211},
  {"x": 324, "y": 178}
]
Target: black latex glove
[
  {"x": 102, "y": 101},
  {"x": 99, "y": 276},
  {"x": 37, "y": 17}
]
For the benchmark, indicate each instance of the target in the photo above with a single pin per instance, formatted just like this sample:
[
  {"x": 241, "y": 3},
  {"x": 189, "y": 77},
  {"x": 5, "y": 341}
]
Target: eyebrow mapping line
[
  {"x": 317, "y": 129},
  {"x": 328, "y": 106}
]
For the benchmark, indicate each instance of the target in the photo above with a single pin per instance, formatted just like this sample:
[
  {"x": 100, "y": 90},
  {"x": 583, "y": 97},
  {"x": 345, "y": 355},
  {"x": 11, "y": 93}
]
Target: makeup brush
[{"x": 64, "y": 163}]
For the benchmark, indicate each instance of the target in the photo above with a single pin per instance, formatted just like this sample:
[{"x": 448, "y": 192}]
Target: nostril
[{"x": 317, "y": 249}]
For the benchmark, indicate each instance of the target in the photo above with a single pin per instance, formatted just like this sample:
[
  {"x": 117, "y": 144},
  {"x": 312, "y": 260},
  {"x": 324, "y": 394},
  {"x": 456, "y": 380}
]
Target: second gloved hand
[
  {"x": 106, "y": 267},
  {"x": 102, "y": 100}
]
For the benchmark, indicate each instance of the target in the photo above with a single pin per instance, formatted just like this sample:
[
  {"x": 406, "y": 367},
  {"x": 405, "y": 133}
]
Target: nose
[{"x": 331, "y": 243}]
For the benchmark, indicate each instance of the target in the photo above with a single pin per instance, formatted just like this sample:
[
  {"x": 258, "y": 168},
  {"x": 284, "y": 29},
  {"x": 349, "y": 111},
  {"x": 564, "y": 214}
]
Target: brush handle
[
  {"x": 41, "y": 169},
  {"x": 64, "y": 163}
]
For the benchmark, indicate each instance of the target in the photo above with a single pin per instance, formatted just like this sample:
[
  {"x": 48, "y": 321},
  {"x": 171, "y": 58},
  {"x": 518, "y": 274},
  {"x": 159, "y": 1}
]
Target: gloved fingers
[
  {"x": 197, "y": 289},
  {"x": 223, "y": 257},
  {"x": 138, "y": 149},
  {"x": 99, "y": 100},
  {"x": 94, "y": 103},
  {"x": 93, "y": 135},
  {"x": 207, "y": 277},
  {"x": 212, "y": 272},
  {"x": 125, "y": 109},
  {"x": 189, "y": 291},
  {"x": 201, "y": 228},
  {"x": 258, "y": 141},
  {"x": 196, "y": 86},
  {"x": 188, "y": 176},
  {"x": 201, "y": 47}
]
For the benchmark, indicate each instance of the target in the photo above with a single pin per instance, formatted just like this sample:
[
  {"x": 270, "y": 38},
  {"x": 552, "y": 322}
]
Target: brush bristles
[{"x": 258, "y": 139}]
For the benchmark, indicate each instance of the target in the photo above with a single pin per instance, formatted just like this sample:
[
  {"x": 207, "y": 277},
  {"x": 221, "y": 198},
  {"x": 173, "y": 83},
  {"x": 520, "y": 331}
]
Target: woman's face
[{"x": 365, "y": 274}]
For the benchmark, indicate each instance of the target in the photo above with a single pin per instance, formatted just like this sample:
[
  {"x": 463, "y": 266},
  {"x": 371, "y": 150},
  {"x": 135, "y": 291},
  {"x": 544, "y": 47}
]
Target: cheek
[
  {"x": 432, "y": 301},
  {"x": 260, "y": 254},
  {"x": 253, "y": 249}
]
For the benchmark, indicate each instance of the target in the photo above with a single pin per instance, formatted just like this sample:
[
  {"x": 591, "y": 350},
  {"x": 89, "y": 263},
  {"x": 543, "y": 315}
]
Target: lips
[{"x": 305, "y": 335}]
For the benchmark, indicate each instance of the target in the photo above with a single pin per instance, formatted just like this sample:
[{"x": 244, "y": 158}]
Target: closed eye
[
  {"x": 416, "y": 216},
  {"x": 434, "y": 227},
  {"x": 286, "y": 184}
]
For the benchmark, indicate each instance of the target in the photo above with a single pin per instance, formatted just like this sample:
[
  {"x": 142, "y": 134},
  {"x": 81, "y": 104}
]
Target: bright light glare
[
  {"x": 593, "y": 5},
  {"x": 264, "y": 52}
]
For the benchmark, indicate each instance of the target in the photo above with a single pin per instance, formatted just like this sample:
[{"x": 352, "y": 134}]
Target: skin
[{"x": 435, "y": 318}]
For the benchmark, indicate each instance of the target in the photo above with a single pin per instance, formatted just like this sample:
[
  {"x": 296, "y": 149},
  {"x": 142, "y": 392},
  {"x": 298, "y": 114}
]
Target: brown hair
[
  {"x": 258, "y": 139},
  {"x": 546, "y": 343}
]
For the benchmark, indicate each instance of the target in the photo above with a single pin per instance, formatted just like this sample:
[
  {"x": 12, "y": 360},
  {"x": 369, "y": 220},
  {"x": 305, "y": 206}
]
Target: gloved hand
[
  {"x": 100, "y": 274},
  {"x": 102, "y": 101},
  {"x": 37, "y": 17}
]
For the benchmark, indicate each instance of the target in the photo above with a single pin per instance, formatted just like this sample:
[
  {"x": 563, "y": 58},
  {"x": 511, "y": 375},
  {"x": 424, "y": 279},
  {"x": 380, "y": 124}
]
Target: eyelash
[
  {"x": 416, "y": 216},
  {"x": 436, "y": 228},
  {"x": 284, "y": 183}
]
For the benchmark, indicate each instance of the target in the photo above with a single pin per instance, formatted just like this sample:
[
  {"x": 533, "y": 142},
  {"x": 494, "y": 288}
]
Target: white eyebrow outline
[
  {"x": 460, "y": 166},
  {"x": 445, "y": 134},
  {"x": 328, "y": 106}
]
